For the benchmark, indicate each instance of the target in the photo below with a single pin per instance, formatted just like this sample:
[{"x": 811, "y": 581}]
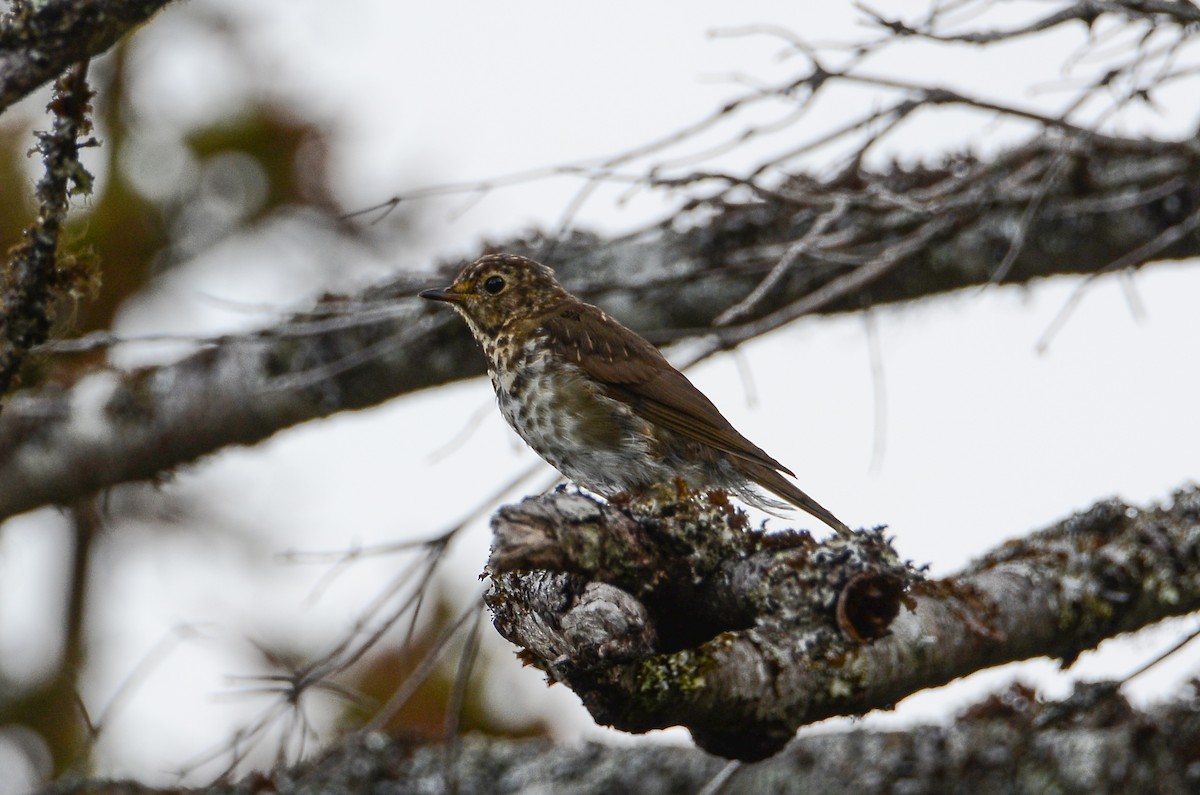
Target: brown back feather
[{"x": 632, "y": 370}]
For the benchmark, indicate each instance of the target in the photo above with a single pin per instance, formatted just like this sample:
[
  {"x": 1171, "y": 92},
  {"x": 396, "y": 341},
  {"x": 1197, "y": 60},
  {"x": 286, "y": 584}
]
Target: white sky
[{"x": 984, "y": 439}]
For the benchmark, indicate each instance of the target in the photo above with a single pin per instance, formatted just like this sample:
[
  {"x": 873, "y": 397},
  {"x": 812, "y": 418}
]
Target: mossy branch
[{"x": 672, "y": 613}]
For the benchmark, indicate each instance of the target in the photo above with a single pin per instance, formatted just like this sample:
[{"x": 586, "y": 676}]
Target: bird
[{"x": 599, "y": 402}]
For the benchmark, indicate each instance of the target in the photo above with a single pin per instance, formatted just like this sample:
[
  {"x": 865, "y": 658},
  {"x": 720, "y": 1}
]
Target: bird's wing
[{"x": 631, "y": 370}]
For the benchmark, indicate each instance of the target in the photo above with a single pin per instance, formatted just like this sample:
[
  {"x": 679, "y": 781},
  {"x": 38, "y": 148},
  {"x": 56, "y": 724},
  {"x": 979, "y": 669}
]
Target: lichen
[{"x": 672, "y": 675}]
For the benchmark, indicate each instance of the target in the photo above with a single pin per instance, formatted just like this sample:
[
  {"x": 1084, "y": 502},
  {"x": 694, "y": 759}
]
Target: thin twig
[
  {"x": 1138, "y": 256},
  {"x": 1053, "y": 174},
  {"x": 1185, "y": 640},
  {"x": 878, "y": 391},
  {"x": 838, "y": 288},
  {"x": 421, "y": 672},
  {"x": 788, "y": 261}
]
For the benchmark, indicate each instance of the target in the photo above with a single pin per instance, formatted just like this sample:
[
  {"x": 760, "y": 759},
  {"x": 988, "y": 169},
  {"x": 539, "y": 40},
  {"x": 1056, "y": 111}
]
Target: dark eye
[{"x": 494, "y": 284}]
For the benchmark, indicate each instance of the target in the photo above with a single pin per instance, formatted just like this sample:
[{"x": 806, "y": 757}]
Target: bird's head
[{"x": 498, "y": 289}]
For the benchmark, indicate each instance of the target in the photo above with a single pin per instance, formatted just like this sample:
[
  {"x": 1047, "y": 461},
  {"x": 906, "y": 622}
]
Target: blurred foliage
[
  {"x": 16, "y": 189},
  {"x": 52, "y": 709},
  {"x": 223, "y": 179},
  {"x": 133, "y": 234},
  {"x": 251, "y": 165},
  {"x": 259, "y": 161}
]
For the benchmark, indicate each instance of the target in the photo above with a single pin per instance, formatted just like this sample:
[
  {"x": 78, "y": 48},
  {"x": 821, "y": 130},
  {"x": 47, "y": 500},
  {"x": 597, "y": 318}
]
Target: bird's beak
[{"x": 446, "y": 294}]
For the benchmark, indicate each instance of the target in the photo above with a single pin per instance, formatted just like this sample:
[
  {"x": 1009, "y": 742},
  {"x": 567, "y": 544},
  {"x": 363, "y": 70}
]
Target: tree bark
[
  {"x": 672, "y": 613},
  {"x": 1121, "y": 206},
  {"x": 38, "y": 41},
  {"x": 1093, "y": 742}
]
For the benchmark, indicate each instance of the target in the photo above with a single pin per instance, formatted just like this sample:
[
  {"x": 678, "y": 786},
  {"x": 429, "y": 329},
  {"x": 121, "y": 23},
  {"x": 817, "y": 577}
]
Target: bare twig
[
  {"x": 422, "y": 671},
  {"x": 838, "y": 288},
  {"x": 1053, "y": 175},
  {"x": 878, "y": 391},
  {"x": 1139, "y": 256},
  {"x": 793, "y": 255}
]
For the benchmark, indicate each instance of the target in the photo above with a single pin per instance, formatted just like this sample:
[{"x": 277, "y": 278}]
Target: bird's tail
[{"x": 776, "y": 483}]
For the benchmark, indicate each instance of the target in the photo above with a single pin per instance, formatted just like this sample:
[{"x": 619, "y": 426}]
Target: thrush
[{"x": 599, "y": 402}]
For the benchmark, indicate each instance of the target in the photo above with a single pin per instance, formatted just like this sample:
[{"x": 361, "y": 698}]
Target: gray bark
[
  {"x": 1094, "y": 742},
  {"x": 673, "y": 613},
  {"x": 39, "y": 41},
  {"x": 1117, "y": 206}
]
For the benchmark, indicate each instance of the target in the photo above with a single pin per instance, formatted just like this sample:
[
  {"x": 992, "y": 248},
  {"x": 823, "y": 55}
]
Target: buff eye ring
[{"x": 494, "y": 285}]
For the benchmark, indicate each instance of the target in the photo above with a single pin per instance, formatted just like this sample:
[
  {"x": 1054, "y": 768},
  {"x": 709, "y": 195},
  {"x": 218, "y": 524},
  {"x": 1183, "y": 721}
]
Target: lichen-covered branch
[
  {"x": 57, "y": 444},
  {"x": 1092, "y": 742},
  {"x": 39, "y": 41},
  {"x": 112, "y": 427},
  {"x": 671, "y": 613},
  {"x": 34, "y": 276}
]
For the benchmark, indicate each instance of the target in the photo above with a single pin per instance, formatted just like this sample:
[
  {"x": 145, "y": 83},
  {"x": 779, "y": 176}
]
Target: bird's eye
[{"x": 494, "y": 284}]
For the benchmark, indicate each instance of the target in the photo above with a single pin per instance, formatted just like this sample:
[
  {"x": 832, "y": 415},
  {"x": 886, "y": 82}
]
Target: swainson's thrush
[{"x": 599, "y": 402}]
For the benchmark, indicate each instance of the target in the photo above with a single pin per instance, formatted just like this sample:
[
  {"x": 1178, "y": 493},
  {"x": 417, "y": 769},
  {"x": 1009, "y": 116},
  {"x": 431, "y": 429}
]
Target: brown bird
[{"x": 599, "y": 402}]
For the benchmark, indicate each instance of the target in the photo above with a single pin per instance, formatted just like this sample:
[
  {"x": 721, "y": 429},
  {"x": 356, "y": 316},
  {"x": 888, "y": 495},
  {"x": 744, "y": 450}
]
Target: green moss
[{"x": 673, "y": 674}]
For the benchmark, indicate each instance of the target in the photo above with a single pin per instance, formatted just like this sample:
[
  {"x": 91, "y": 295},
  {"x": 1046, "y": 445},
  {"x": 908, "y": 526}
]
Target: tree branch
[
  {"x": 599, "y": 597},
  {"x": 57, "y": 445},
  {"x": 39, "y": 41},
  {"x": 34, "y": 274},
  {"x": 1084, "y": 11},
  {"x": 1093, "y": 741}
]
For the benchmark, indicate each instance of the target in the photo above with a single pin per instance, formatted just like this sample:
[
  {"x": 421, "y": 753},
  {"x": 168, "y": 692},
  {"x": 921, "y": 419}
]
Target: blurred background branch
[
  {"x": 1014, "y": 736},
  {"x": 901, "y": 235},
  {"x": 40, "y": 40}
]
